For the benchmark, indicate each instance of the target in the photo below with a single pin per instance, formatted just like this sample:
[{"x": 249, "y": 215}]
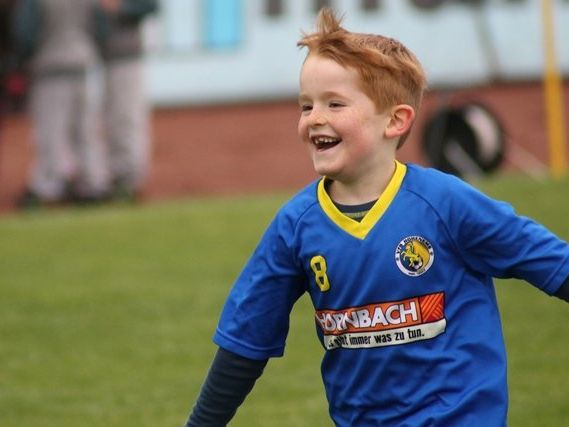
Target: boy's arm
[
  {"x": 230, "y": 379},
  {"x": 563, "y": 291},
  {"x": 496, "y": 241}
]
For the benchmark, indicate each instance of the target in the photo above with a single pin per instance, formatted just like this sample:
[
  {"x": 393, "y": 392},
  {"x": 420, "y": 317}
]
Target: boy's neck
[{"x": 363, "y": 190}]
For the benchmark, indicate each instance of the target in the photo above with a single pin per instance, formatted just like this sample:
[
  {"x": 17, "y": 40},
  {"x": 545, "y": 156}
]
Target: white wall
[{"x": 458, "y": 45}]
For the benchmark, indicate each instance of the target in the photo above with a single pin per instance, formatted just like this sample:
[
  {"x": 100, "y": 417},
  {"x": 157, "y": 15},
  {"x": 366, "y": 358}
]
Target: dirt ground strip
[{"x": 253, "y": 147}]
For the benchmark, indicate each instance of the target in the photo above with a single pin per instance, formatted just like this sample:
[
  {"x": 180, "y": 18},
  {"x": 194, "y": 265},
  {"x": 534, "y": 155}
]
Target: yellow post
[{"x": 553, "y": 97}]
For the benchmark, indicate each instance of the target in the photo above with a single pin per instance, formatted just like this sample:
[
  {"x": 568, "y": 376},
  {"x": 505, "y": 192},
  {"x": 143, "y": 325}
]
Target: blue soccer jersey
[{"x": 404, "y": 301}]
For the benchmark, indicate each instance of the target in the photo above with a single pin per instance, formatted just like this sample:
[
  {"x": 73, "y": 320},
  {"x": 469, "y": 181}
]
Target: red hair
[{"x": 390, "y": 73}]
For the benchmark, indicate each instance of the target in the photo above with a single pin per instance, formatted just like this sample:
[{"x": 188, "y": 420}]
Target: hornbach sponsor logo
[{"x": 382, "y": 324}]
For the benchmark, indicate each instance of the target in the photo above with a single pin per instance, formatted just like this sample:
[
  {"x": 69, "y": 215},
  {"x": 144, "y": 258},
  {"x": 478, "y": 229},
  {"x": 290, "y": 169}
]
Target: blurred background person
[
  {"x": 126, "y": 110},
  {"x": 5, "y": 52},
  {"x": 56, "y": 40},
  {"x": 13, "y": 81}
]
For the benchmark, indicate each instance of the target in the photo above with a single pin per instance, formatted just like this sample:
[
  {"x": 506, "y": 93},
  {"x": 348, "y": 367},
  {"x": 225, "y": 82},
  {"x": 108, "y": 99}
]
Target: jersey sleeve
[
  {"x": 255, "y": 319},
  {"x": 494, "y": 240}
]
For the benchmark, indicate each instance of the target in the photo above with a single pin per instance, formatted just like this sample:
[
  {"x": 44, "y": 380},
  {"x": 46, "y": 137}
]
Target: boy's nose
[{"x": 317, "y": 118}]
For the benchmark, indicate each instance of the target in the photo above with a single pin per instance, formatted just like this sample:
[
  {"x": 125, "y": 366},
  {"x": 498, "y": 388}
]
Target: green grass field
[{"x": 106, "y": 316}]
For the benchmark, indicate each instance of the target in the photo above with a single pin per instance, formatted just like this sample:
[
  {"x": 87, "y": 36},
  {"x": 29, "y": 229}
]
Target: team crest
[{"x": 414, "y": 255}]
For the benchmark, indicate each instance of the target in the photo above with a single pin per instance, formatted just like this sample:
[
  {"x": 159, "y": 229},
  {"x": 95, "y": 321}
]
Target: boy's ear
[{"x": 402, "y": 117}]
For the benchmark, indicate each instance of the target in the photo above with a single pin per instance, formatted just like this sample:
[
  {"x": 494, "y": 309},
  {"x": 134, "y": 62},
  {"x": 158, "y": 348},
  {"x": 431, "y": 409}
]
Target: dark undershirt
[
  {"x": 229, "y": 381},
  {"x": 356, "y": 212},
  {"x": 563, "y": 291}
]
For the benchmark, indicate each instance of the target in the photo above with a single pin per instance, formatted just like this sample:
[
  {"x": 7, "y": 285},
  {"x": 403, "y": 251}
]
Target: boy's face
[{"x": 339, "y": 123}]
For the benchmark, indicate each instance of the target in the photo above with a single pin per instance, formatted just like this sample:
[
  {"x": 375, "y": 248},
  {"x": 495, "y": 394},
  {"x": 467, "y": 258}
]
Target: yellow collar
[{"x": 361, "y": 229}]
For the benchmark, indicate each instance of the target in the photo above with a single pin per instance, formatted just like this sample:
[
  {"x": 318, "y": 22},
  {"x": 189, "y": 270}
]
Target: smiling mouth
[{"x": 323, "y": 143}]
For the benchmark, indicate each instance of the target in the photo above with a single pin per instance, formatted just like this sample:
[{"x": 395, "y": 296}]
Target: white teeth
[{"x": 324, "y": 140}]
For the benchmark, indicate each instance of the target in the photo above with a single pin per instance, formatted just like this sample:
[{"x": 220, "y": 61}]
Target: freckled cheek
[
  {"x": 360, "y": 139},
  {"x": 348, "y": 128}
]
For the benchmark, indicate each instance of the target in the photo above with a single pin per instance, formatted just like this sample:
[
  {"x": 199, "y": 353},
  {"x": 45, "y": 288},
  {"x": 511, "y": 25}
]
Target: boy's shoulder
[
  {"x": 302, "y": 201},
  {"x": 291, "y": 212},
  {"x": 431, "y": 174},
  {"x": 432, "y": 184},
  {"x": 450, "y": 196}
]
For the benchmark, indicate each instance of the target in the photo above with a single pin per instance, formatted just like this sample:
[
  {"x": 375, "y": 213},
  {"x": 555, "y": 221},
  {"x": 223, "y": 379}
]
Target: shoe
[
  {"x": 87, "y": 199},
  {"x": 121, "y": 192},
  {"x": 28, "y": 200}
]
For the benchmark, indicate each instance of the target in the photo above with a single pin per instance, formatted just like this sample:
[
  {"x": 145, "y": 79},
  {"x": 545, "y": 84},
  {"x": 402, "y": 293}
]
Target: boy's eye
[
  {"x": 336, "y": 104},
  {"x": 305, "y": 107}
]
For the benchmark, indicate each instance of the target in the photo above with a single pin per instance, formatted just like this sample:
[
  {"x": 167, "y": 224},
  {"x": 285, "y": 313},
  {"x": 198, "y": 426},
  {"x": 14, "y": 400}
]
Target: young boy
[{"x": 398, "y": 260}]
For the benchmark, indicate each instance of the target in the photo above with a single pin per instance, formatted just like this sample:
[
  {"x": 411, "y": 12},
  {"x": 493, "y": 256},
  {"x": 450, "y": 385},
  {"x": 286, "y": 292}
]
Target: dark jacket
[{"x": 124, "y": 36}]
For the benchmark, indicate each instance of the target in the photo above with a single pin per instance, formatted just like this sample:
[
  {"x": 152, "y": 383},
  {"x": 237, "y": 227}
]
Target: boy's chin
[
  {"x": 324, "y": 171},
  {"x": 329, "y": 174},
  {"x": 324, "y": 168}
]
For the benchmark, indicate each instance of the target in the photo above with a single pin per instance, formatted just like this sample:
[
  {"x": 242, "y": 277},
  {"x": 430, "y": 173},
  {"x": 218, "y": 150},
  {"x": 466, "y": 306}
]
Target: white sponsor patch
[{"x": 382, "y": 324}]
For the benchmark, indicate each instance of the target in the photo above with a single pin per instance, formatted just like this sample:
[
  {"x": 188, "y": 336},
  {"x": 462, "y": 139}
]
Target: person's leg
[
  {"x": 50, "y": 102},
  {"x": 91, "y": 175},
  {"x": 127, "y": 116}
]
